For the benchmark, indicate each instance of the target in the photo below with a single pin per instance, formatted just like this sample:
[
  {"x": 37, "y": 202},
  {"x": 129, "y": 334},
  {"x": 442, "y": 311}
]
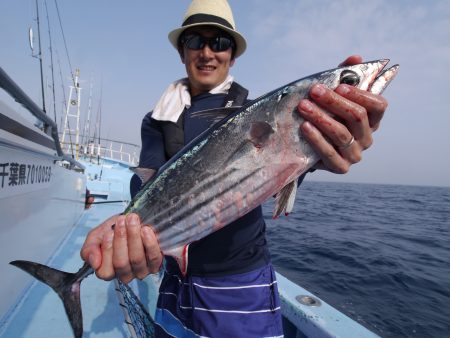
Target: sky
[{"x": 122, "y": 51}]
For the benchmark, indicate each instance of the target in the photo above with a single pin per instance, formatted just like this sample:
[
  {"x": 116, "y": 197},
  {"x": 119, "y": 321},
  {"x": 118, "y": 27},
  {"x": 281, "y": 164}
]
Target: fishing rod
[
  {"x": 107, "y": 202},
  {"x": 100, "y": 125},
  {"x": 65, "y": 45},
  {"x": 51, "y": 60},
  {"x": 64, "y": 102},
  {"x": 39, "y": 54},
  {"x": 63, "y": 90},
  {"x": 85, "y": 135}
]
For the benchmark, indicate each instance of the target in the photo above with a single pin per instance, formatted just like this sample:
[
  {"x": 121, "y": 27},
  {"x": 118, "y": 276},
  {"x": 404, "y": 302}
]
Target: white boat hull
[{"x": 40, "y": 200}]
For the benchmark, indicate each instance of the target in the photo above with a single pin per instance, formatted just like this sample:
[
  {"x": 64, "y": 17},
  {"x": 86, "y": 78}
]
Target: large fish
[{"x": 254, "y": 153}]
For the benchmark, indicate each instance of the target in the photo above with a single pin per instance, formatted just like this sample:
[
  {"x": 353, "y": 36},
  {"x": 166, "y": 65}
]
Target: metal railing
[
  {"x": 49, "y": 126},
  {"x": 106, "y": 148}
]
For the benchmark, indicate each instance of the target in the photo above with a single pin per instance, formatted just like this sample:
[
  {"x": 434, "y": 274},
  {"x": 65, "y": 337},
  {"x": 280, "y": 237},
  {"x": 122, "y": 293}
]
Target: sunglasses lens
[
  {"x": 220, "y": 43},
  {"x": 194, "y": 42},
  {"x": 217, "y": 43}
]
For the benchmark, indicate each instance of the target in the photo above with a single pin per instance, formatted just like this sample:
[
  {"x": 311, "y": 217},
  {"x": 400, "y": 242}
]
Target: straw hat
[{"x": 212, "y": 13}]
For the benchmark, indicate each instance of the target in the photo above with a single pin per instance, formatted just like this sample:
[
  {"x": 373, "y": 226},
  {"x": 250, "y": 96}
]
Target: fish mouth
[
  {"x": 383, "y": 77},
  {"x": 372, "y": 76}
]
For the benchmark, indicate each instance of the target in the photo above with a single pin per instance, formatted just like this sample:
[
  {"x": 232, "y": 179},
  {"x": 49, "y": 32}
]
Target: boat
[{"x": 44, "y": 220}]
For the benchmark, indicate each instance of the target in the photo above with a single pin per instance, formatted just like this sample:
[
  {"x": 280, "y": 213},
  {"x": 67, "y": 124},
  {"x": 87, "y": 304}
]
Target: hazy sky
[{"x": 121, "y": 47}]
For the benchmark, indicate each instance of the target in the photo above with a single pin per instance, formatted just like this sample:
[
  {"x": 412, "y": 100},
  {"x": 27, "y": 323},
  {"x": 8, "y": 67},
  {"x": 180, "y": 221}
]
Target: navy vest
[{"x": 174, "y": 132}]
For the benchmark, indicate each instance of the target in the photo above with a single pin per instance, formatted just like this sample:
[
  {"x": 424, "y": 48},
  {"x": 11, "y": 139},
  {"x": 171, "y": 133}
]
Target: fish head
[
  {"x": 275, "y": 117},
  {"x": 371, "y": 76}
]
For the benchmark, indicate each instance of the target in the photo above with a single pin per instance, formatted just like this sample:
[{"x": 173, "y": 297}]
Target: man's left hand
[{"x": 340, "y": 138}]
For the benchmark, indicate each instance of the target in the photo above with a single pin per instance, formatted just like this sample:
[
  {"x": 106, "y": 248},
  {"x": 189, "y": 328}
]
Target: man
[{"x": 230, "y": 288}]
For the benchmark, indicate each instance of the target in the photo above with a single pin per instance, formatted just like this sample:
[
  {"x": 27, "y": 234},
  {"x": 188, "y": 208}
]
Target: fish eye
[{"x": 349, "y": 77}]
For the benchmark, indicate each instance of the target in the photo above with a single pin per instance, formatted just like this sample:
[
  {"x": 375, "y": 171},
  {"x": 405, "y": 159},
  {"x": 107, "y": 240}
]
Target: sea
[{"x": 378, "y": 253}]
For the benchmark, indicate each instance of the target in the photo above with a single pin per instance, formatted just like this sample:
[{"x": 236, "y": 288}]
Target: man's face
[{"x": 205, "y": 68}]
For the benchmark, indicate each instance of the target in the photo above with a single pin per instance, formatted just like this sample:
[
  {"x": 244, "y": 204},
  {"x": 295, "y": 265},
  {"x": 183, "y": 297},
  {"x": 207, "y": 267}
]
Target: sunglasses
[{"x": 218, "y": 43}]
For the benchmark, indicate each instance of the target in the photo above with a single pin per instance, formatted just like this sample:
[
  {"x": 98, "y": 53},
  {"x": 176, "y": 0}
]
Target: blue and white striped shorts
[{"x": 242, "y": 305}]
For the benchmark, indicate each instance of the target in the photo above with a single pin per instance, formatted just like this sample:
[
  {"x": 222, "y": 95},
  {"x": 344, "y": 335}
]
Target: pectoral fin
[
  {"x": 259, "y": 133},
  {"x": 284, "y": 200}
]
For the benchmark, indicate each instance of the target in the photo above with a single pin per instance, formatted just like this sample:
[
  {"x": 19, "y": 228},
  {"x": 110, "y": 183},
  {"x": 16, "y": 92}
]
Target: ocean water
[{"x": 378, "y": 253}]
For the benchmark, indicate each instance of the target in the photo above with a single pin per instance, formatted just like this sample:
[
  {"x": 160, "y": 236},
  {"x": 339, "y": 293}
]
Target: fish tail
[{"x": 65, "y": 284}]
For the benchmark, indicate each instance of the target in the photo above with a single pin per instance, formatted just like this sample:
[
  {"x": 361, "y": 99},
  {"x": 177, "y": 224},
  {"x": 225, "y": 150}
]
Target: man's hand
[
  {"x": 341, "y": 138},
  {"x": 128, "y": 251},
  {"x": 88, "y": 200}
]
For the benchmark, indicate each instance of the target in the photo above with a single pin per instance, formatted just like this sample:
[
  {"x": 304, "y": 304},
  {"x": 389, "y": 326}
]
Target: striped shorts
[{"x": 242, "y": 305}]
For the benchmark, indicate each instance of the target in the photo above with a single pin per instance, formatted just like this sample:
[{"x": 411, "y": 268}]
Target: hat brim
[{"x": 241, "y": 44}]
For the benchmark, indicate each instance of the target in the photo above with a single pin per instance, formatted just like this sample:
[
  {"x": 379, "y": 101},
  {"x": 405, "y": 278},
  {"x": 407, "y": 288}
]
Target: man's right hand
[{"x": 128, "y": 251}]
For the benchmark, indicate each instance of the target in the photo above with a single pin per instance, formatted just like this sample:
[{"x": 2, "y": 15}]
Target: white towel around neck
[{"x": 177, "y": 97}]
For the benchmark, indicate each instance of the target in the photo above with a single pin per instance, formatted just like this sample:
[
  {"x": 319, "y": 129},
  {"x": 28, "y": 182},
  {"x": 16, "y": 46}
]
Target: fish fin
[
  {"x": 65, "y": 284},
  {"x": 284, "y": 200},
  {"x": 143, "y": 173},
  {"x": 215, "y": 115},
  {"x": 181, "y": 256},
  {"x": 259, "y": 133}
]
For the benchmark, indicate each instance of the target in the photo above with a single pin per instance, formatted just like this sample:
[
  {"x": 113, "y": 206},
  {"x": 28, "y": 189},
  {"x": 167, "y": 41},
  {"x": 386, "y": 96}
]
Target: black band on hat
[{"x": 205, "y": 18}]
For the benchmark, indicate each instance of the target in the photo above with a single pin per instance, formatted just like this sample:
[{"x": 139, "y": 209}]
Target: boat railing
[
  {"x": 49, "y": 126},
  {"x": 105, "y": 148}
]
